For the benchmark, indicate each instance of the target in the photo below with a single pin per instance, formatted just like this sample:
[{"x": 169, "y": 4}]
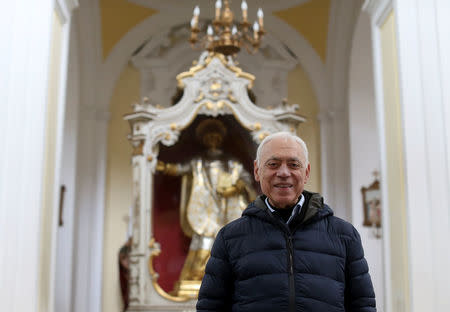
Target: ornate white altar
[{"x": 213, "y": 87}]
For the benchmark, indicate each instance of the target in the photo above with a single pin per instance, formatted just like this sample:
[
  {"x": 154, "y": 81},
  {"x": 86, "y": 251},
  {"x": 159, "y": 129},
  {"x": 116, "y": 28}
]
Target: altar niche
[
  {"x": 202, "y": 182},
  {"x": 184, "y": 190}
]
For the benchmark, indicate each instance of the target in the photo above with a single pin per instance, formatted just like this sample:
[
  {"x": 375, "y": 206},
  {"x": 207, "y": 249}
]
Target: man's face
[{"x": 283, "y": 171}]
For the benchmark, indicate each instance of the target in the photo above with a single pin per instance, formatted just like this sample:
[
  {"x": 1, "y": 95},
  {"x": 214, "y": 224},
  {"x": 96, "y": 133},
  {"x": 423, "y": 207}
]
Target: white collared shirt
[{"x": 296, "y": 210}]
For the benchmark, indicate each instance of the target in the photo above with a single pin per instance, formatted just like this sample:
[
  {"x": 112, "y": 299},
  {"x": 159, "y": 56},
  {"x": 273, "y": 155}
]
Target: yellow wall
[
  {"x": 300, "y": 92},
  {"x": 311, "y": 20},
  {"x": 48, "y": 182},
  {"x": 118, "y": 184},
  {"x": 117, "y": 18},
  {"x": 395, "y": 170}
]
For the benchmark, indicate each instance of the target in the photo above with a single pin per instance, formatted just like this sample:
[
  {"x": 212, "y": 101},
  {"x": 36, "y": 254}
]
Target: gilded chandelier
[{"x": 224, "y": 36}]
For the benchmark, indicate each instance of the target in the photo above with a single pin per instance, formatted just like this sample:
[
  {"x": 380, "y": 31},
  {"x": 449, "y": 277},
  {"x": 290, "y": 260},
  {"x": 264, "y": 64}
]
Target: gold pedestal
[
  {"x": 192, "y": 273},
  {"x": 186, "y": 288}
]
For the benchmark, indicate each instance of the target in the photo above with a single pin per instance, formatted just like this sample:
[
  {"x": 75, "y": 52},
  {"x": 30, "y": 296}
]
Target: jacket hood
[{"x": 314, "y": 205}]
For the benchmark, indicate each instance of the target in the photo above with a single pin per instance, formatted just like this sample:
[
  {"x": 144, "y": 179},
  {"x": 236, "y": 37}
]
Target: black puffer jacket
[{"x": 316, "y": 264}]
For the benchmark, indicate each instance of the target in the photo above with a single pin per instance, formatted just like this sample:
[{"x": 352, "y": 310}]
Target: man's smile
[{"x": 283, "y": 185}]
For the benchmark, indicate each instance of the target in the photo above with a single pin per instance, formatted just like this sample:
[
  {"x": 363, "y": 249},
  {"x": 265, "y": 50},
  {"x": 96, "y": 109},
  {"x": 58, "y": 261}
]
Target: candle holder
[{"x": 223, "y": 35}]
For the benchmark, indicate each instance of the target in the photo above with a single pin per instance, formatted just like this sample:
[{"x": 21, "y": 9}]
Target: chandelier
[{"x": 224, "y": 36}]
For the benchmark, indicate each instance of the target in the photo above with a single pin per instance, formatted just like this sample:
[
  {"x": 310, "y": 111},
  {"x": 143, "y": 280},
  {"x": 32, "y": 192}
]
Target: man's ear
[
  {"x": 308, "y": 170},
  {"x": 256, "y": 170}
]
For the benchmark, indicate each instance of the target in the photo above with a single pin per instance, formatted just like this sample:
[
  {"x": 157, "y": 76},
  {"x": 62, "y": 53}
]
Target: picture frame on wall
[{"x": 372, "y": 204}]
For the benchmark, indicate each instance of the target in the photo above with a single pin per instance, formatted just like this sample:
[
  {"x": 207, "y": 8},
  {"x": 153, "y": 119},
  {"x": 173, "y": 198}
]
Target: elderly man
[{"x": 287, "y": 252}]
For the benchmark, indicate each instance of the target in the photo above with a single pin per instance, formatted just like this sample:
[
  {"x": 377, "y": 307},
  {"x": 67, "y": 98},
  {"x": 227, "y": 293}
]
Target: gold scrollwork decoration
[
  {"x": 231, "y": 97},
  {"x": 155, "y": 251},
  {"x": 200, "y": 97},
  {"x": 194, "y": 69}
]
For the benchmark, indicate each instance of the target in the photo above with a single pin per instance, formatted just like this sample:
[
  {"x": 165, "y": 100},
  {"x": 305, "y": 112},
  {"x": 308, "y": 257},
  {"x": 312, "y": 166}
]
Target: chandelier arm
[{"x": 227, "y": 37}]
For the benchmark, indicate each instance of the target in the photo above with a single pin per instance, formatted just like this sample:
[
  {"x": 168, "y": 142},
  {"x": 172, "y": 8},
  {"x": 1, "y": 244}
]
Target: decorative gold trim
[
  {"x": 219, "y": 105},
  {"x": 236, "y": 117},
  {"x": 242, "y": 74},
  {"x": 138, "y": 149},
  {"x": 194, "y": 69},
  {"x": 173, "y": 126},
  {"x": 262, "y": 135},
  {"x": 231, "y": 97},
  {"x": 215, "y": 86},
  {"x": 209, "y": 105},
  {"x": 154, "y": 253},
  {"x": 190, "y": 120},
  {"x": 257, "y": 126},
  {"x": 213, "y": 55},
  {"x": 199, "y": 97},
  {"x": 150, "y": 158}
]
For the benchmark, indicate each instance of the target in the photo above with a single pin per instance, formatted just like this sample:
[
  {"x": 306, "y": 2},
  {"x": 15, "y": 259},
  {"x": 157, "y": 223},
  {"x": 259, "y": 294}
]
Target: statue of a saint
[{"x": 215, "y": 190}]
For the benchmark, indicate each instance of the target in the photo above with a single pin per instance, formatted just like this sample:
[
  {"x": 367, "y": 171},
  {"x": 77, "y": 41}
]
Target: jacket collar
[{"x": 314, "y": 208}]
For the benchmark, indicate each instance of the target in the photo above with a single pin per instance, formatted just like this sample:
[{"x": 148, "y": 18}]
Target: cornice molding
[{"x": 378, "y": 10}]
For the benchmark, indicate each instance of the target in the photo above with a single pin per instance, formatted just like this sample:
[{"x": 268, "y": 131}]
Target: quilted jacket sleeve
[
  {"x": 216, "y": 289},
  {"x": 359, "y": 293}
]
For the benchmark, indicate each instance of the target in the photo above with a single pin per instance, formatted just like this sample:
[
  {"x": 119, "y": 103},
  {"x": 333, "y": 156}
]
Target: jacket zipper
[
  {"x": 288, "y": 235},
  {"x": 291, "y": 274}
]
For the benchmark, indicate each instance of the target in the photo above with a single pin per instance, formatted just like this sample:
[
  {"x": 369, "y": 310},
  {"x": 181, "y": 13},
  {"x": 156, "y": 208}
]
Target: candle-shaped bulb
[
  {"x": 234, "y": 30},
  {"x": 255, "y": 26},
  {"x": 196, "y": 11},
  {"x": 218, "y": 8},
  {"x": 260, "y": 13},
  {"x": 244, "y": 6},
  {"x": 210, "y": 31},
  {"x": 193, "y": 22}
]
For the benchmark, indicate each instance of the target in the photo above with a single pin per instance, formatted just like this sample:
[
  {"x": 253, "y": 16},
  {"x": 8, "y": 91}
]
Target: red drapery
[{"x": 167, "y": 230}]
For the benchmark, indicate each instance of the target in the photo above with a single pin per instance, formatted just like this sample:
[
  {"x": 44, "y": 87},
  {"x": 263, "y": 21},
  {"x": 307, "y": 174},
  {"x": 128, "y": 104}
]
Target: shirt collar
[{"x": 295, "y": 211}]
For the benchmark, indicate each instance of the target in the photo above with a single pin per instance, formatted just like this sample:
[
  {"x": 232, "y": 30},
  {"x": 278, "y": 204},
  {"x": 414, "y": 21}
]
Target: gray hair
[{"x": 281, "y": 134}]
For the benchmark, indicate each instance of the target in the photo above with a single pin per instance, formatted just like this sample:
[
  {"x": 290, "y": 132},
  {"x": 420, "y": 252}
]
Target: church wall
[
  {"x": 118, "y": 185},
  {"x": 25, "y": 53},
  {"x": 301, "y": 92},
  {"x": 364, "y": 147}
]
